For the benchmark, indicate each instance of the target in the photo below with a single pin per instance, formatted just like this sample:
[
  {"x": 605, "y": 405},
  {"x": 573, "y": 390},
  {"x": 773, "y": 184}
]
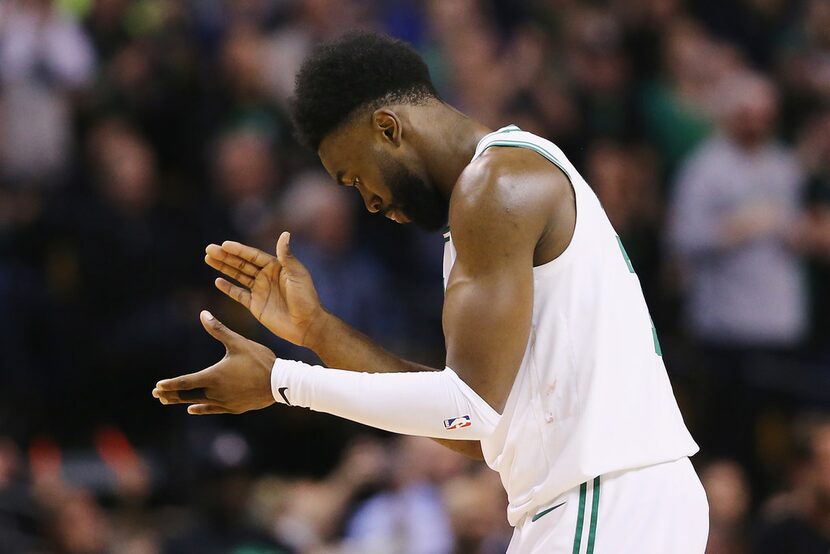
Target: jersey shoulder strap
[{"x": 512, "y": 135}]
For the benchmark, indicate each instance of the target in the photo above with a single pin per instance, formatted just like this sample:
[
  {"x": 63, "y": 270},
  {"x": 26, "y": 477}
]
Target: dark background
[{"x": 134, "y": 133}]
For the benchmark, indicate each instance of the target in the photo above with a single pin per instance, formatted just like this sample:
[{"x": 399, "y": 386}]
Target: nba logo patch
[{"x": 457, "y": 422}]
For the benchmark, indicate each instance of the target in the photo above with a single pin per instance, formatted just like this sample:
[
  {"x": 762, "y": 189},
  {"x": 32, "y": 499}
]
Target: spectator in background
[
  {"x": 309, "y": 513},
  {"x": 475, "y": 503},
  {"x": 18, "y": 511},
  {"x": 540, "y": 101},
  {"x": 469, "y": 47},
  {"x": 645, "y": 22},
  {"x": 77, "y": 524},
  {"x": 182, "y": 106},
  {"x": 814, "y": 147},
  {"x": 321, "y": 220},
  {"x": 221, "y": 489},
  {"x": 243, "y": 99},
  {"x": 150, "y": 81},
  {"x": 728, "y": 492},
  {"x": 246, "y": 175},
  {"x": 804, "y": 65},
  {"x": 122, "y": 219},
  {"x": 624, "y": 178},
  {"x": 599, "y": 71},
  {"x": 107, "y": 22},
  {"x": 754, "y": 26},
  {"x": 110, "y": 244},
  {"x": 44, "y": 58},
  {"x": 677, "y": 107},
  {"x": 410, "y": 518},
  {"x": 798, "y": 521},
  {"x": 313, "y": 21},
  {"x": 736, "y": 201}
]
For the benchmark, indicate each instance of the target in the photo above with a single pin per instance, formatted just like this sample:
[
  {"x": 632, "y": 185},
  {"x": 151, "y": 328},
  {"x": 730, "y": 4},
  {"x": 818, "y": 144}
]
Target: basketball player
[{"x": 553, "y": 372}]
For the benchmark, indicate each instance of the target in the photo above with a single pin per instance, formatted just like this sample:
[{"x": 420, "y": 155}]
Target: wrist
[
  {"x": 315, "y": 333},
  {"x": 287, "y": 382},
  {"x": 265, "y": 360}
]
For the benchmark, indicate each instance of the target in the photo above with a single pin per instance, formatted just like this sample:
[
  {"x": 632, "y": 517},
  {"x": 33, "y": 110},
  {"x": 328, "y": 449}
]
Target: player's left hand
[
  {"x": 278, "y": 291},
  {"x": 239, "y": 382}
]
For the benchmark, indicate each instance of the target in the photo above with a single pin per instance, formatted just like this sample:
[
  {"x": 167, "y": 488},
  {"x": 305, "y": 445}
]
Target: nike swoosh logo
[
  {"x": 282, "y": 390},
  {"x": 545, "y": 512}
]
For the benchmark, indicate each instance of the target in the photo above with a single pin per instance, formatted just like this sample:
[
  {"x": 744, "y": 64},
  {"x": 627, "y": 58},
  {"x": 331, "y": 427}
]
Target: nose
[{"x": 372, "y": 202}]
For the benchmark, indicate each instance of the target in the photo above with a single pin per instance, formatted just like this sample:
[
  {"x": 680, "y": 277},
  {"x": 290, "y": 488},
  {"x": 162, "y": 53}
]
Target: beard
[{"x": 417, "y": 199}]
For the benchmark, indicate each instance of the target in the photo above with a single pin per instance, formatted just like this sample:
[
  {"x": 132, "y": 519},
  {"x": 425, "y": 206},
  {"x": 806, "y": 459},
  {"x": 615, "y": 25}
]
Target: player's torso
[{"x": 591, "y": 395}]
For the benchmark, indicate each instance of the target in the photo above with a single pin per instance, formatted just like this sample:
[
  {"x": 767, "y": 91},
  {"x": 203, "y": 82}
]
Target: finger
[
  {"x": 241, "y": 295},
  {"x": 185, "y": 382},
  {"x": 219, "y": 253},
  {"x": 232, "y": 272},
  {"x": 207, "y": 409},
  {"x": 216, "y": 252},
  {"x": 193, "y": 396},
  {"x": 285, "y": 257},
  {"x": 253, "y": 255},
  {"x": 217, "y": 330}
]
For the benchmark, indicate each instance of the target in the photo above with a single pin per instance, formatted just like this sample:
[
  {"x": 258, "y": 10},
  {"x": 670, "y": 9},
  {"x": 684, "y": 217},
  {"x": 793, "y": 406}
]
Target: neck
[{"x": 447, "y": 143}]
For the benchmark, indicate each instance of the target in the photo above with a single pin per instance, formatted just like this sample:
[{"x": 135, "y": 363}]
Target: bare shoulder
[{"x": 511, "y": 195}]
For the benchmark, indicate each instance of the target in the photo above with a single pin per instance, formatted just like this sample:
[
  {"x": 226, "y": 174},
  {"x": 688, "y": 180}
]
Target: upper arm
[{"x": 488, "y": 306}]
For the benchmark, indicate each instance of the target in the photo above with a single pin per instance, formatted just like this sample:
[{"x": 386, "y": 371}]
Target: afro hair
[{"x": 358, "y": 71}]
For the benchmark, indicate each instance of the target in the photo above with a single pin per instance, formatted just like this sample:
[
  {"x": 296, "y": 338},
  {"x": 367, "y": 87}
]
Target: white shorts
[{"x": 657, "y": 509}]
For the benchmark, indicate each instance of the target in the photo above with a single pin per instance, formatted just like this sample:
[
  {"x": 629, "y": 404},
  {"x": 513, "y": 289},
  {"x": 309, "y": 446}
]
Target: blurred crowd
[{"x": 135, "y": 132}]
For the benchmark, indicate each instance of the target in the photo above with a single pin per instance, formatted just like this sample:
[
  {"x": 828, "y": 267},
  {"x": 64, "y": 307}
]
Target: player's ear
[{"x": 387, "y": 123}]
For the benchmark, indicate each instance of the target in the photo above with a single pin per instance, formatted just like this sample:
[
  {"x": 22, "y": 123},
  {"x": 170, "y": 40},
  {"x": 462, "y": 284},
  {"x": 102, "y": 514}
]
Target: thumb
[
  {"x": 287, "y": 260},
  {"x": 218, "y": 330}
]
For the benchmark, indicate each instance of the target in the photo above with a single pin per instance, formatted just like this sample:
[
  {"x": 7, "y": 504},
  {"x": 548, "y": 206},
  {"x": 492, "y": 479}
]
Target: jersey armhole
[{"x": 516, "y": 143}]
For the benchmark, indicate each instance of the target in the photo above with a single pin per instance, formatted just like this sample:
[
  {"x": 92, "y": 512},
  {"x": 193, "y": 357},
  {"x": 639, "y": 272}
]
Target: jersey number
[{"x": 657, "y": 348}]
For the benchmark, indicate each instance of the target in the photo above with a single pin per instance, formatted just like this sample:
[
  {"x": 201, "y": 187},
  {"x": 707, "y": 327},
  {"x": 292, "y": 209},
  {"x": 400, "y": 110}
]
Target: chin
[{"x": 426, "y": 219}]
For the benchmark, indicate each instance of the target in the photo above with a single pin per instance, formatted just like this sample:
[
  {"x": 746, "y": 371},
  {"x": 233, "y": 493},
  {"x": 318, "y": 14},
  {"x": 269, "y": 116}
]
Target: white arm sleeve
[{"x": 435, "y": 404}]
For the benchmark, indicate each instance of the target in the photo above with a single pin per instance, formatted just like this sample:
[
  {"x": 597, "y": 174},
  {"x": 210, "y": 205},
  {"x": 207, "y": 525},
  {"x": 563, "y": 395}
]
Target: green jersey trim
[{"x": 530, "y": 146}]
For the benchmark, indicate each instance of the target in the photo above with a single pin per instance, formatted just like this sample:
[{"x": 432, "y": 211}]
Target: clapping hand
[
  {"x": 278, "y": 291},
  {"x": 239, "y": 382}
]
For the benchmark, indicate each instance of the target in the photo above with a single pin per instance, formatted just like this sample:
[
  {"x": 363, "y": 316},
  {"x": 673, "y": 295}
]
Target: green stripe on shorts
[
  {"x": 580, "y": 517},
  {"x": 592, "y": 531}
]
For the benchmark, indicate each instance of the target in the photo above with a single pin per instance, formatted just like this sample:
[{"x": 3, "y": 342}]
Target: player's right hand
[
  {"x": 278, "y": 291},
  {"x": 239, "y": 382}
]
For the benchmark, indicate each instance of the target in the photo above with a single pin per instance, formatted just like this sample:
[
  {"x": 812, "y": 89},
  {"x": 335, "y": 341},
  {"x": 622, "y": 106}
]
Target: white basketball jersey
[{"x": 592, "y": 395}]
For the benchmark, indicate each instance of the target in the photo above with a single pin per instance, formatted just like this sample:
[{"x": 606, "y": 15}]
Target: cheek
[
  {"x": 380, "y": 185},
  {"x": 386, "y": 192}
]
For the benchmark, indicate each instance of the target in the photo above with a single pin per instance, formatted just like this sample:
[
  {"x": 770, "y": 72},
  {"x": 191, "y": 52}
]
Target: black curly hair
[{"x": 358, "y": 71}]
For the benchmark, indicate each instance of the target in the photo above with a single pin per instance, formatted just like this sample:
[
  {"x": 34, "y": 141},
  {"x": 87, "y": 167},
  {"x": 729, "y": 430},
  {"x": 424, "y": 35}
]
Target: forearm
[
  {"x": 339, "y": 345},
  {"x": 436, "y": 404}
]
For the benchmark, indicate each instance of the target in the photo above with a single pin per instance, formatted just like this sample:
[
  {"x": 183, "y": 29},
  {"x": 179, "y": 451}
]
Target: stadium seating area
[{"x": 135, "y": 132}]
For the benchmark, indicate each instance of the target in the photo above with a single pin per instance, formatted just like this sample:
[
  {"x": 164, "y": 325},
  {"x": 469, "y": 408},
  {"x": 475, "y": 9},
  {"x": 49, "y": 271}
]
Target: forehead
[{"x": 345, "y": 148}]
